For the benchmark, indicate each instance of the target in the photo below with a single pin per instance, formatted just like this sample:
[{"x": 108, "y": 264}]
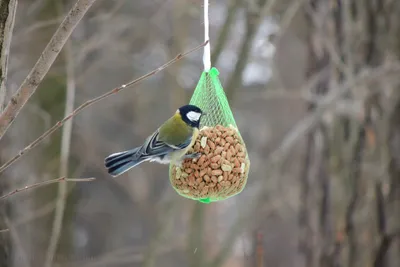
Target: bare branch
[
  {"x": 65, "y": 151},
  {"x": 7, "y": 17},
  {"x": 253, "y": 22},
  {"x": 42, "y": 66},
  {"x": 40, "y": 184},
  {"x": 91, "y": 102},
  {"x": 383, "y": 248}
]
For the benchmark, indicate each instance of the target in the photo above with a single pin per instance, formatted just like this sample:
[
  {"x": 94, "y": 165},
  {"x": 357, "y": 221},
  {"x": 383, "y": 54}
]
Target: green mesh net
[{"x": 210, "y": 97}]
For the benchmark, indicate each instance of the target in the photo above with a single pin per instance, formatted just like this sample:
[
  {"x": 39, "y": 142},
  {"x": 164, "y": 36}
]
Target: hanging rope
[
  {"x": 223, "y": 167},
  {"x": 207, "y": 52}
]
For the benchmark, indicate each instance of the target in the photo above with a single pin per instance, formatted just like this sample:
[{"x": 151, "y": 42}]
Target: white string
[{"x": 207, "y": 52}]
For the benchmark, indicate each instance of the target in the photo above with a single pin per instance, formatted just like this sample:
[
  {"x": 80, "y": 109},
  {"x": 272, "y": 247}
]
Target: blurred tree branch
[
  {"x": 253, "y": 21},
  {"x": 196, "y": 243},
  {"x": 7, "y": 18},
  {"x": 355, "y": 182},
  {"x": 93, "y": 101},
  {"x": 42, "y": 66},
  {"x": 65, "y": 152},
  {"x": 44, "y": 183},
  {"x": 8, "y": 9},
  {"x": 223, "y": 35},
  {"x": 314, "y": 167}
]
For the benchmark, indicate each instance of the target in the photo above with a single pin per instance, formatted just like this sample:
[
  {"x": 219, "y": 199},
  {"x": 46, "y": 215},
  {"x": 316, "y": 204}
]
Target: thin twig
[
  {"x": 65, "y": 151},
  {"x": 42, "y": 66},
  {"x": 91, "y": 102},
  {"x": 40, "y": 184},
  {"x": 304, "y": 244},
  {"x": 7, "y": 18},
  {"x": 381, "y": 225},
  {"x": 325, "y": 212},
  {"x": 355, "y": 183},
  {"x": 8, "y": 10}
]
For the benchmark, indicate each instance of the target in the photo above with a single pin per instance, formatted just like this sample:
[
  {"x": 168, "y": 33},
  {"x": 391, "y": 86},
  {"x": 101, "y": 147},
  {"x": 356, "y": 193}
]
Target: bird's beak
[{"x": 204, "y": 114}]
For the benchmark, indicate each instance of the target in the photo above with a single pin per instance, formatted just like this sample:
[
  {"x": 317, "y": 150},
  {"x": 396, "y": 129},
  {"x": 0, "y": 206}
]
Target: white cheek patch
[{"x": 193, "y": 116}]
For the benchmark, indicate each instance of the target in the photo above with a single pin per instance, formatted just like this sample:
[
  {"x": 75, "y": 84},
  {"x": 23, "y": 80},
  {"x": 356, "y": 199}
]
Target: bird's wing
[{"x": 155, "y": 147}]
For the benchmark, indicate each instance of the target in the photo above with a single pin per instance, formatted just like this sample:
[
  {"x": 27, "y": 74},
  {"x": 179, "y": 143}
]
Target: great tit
[{"x": 168, "y": 144}]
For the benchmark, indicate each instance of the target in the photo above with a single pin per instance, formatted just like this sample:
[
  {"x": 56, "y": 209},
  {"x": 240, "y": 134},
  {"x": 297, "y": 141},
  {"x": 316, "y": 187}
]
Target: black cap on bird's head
[{"x": 191, "y": 115}]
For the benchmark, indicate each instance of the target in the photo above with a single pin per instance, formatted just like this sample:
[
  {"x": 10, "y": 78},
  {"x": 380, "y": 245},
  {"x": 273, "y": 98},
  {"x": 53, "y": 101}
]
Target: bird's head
[{"x": 191, "y": 115}]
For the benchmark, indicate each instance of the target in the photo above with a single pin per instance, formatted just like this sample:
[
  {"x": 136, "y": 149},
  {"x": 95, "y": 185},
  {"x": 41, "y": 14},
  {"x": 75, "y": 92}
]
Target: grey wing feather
[{"x": 156, "y": 148}]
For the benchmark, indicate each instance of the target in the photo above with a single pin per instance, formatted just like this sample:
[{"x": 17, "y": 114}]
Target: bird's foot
[
  {"x": 192, "y": 156},
  {"x": 178, "y": 163}
]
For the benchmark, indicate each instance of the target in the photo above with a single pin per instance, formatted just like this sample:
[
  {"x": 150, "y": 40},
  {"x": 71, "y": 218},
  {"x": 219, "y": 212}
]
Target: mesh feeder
[{"x": 223, "y": 167}]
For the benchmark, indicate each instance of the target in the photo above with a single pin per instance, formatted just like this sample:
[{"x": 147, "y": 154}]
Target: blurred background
[{"x": 313, "y": 86}]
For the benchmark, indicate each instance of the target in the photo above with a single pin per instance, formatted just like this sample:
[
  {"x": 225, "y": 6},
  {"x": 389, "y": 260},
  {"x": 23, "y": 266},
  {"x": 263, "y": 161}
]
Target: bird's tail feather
[{"x": 121, "y": 162}]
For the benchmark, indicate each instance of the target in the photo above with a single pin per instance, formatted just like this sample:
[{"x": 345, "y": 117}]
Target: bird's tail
[{"x": 120, "y": 162}]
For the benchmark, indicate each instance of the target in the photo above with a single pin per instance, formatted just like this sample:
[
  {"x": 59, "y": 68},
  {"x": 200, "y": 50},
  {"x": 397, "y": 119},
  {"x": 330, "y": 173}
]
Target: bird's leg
[
  {"x": 178, "y": 163},
  {"x": 192, "y": 156},
  {"x": 187, "y": 156}
]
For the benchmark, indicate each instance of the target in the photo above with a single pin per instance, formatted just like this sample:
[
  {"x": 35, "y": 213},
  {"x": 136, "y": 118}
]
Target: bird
[{"x": 168, "y": 144}]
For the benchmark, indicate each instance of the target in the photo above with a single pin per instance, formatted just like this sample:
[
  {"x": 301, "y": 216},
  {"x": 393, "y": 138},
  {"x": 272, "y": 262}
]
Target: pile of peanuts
[{"x": 220, "y": 172}]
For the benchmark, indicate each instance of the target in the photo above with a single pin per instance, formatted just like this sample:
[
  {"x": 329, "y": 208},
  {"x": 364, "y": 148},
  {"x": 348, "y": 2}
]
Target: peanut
[
  {"x": 222, "y": 142},
  {"x": 226, "y": 146},
  {"x": 216, "y": 172},
  {"x": 202, "y": 172},
  {"x": 220, "y": 171},
  {"x": 215, "y": 158},
  {"x": 201, "y": 160},
  {"x": 203, "y": 142},
  {"x": 218, "y": 150},
  {"x": 211, "y": 144},
  {"x": 214, "y": 166},
  {"x": 237, "y": 163},
  {"x": 229, "y": 139},
  {"x": 228, "y": 155},
  {"x": 226, "y": 168}
]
